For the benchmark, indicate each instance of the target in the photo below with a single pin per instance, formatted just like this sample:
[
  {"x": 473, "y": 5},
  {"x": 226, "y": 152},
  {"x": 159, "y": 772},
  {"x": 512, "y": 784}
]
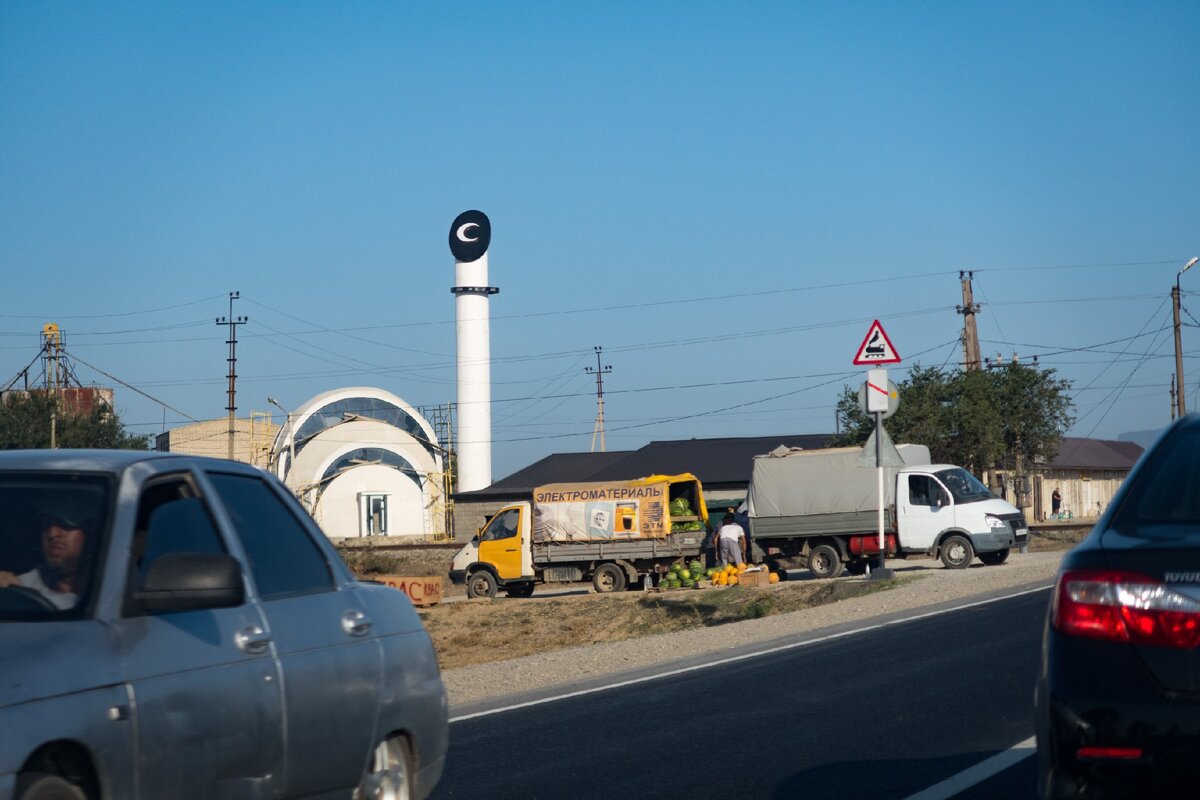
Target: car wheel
[
  {"x": 824, "y": 561},
  {"x": 995, "y": 558},
  {"x": 37, "y": 786},
  {"x": 390, "y": 774},
  {"x": 608, "y": 578},
  {"x": 520, "y": 590},
  {"x": 481, "y": 584},
  {"x": 957, "y": 551}
]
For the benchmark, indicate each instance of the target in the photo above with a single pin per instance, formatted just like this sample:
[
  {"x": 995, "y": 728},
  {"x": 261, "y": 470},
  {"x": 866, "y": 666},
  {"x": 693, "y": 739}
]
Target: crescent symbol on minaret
[{"x": 461, "y": 233}]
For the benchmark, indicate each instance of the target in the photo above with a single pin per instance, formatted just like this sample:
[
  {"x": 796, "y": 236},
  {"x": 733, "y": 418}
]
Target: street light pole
[
  {"x": 290, "y": 432},
  {"x": 1180, "y": 402}
]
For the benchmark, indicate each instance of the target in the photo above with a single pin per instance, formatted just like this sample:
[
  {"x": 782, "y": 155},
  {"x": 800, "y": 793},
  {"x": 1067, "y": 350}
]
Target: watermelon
[{"x": 688, "y": 583}]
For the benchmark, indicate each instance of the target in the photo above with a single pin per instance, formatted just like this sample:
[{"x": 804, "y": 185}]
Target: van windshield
[{"x": 965, "y": 487}]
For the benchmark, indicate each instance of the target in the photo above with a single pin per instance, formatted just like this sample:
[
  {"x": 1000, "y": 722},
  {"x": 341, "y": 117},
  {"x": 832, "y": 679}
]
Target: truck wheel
[
  {"x": 824, "y": 561},
  {"x": 995, "y": 558},
  {"x": 608, "y": 578},
  {"x": 520, "y": 590},
  {"x": 957, "y": 551},
  {"x": 481, "y": 584},
  {"x": 857, "y": 567}
]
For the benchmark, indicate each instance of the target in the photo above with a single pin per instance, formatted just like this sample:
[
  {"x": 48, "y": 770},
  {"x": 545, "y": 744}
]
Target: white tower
[{"x": 470, "y": 236}]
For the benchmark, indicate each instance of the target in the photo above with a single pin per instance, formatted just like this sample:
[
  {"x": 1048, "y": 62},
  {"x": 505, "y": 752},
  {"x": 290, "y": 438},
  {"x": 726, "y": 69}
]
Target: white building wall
[{"x": 339, "y": 510}]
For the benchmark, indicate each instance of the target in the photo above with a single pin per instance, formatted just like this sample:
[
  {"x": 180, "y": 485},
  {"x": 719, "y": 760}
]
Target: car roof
[{"x": 97, "y": 460}]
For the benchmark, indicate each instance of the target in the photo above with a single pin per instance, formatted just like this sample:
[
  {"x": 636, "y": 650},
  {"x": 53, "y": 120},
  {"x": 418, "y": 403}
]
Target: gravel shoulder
[{"x": 573, "y": 668}]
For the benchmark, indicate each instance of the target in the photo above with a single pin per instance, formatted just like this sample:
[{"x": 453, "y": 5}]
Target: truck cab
[
  {"x": 498, "y": 556},
  {"x": 943, "y": 509}
]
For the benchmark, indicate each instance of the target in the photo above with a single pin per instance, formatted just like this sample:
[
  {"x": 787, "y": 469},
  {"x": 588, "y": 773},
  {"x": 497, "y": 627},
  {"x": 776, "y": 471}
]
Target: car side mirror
[
  {"x": 943, "y": 498},
  {"x": 189, "y": 581}
]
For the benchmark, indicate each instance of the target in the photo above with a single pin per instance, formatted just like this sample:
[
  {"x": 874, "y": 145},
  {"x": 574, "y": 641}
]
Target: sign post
[{"x": 879, "y": 398}]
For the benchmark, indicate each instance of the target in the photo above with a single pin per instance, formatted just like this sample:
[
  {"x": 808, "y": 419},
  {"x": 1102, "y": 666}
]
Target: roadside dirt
[
  {"x": 481, "y": 631},
  {"x": 474, "y": 632}
]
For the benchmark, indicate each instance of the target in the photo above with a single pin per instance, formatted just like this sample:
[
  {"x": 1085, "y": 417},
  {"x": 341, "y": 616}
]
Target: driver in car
[{"x": 59, "y": 576}]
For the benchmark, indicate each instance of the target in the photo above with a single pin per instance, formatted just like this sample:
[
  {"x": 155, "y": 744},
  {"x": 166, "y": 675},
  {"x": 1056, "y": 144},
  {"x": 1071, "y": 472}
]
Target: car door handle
[
  {"x": 356, "y": 623},
  {"x": 253, "y": 640}
]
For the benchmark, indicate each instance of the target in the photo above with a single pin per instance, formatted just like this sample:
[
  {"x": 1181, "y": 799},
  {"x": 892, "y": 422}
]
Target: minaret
[{"x": 470, "y": 236}]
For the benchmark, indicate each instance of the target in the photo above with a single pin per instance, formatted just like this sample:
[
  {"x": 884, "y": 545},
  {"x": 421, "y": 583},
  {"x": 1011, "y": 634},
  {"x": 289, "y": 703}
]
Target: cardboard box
[{"x": 761, "y": 578}]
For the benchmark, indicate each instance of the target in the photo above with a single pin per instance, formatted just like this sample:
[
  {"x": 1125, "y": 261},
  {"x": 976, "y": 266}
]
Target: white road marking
[
  {"x": 978, "y": 773},
  {"x": 743, "y": 657}
]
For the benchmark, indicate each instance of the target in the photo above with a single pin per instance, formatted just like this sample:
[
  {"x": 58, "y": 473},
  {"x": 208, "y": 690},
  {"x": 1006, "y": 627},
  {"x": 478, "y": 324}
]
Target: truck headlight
[{"x": 995, "y": 522}]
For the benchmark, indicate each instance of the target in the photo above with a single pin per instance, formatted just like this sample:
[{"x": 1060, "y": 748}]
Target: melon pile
[
  {"x": 683, "y": 576},
  {"x": 688, "y": 576}
]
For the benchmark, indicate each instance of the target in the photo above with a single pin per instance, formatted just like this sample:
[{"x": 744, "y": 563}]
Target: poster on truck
[{"x": 581, "y": 512}]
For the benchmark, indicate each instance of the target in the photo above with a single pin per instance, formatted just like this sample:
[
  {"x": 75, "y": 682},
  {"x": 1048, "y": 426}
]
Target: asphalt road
[{"x": 887, "y": 713}]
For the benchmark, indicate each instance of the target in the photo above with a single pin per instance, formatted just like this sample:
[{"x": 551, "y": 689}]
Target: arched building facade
[{"x": 365, "y": 463}]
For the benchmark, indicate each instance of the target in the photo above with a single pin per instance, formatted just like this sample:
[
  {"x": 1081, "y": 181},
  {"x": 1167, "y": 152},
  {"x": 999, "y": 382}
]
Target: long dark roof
[
  {"x": 716, "y": 462},
  {"x": 1076, "y": 453},
  {"x": 728, "y": 462}
]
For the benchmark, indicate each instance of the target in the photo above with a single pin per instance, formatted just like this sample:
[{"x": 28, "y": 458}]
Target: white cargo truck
[{"x": 823, "y": 505}]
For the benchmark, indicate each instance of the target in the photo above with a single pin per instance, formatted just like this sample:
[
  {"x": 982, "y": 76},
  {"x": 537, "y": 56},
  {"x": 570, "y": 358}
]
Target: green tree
[
  {"x": 1035, "y": 411},
  {"x": 25, "y": 424},
  {"x": 978, "y": 418}
]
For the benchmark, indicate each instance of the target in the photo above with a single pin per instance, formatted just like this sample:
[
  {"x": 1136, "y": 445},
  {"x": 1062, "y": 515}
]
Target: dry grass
[{"x": 481, "y": 631}]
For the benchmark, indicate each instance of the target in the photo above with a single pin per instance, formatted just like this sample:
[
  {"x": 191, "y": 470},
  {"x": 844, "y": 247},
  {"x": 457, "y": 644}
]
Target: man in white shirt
[
  {"x": 58, "y": 577},
  {"x": 730, "y": 541}
]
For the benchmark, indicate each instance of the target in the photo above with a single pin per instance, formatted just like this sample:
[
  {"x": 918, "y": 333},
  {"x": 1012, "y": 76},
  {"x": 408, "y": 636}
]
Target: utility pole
[
  {"x": 1172, "y": 398},
  {"x": 1180, "y": 400},
  {"x": 970, "y": 335},
  {"x": 599, "y": 372},
  {"x": 232, "y": 322}
]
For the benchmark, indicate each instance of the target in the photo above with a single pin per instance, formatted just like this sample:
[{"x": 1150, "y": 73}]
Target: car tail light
[
  {"x": 1124, "y": 607},
  {"x": 1109, "y": 752}
]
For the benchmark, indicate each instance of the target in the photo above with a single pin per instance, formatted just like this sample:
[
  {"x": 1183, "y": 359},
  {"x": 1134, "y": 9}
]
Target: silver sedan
[{"x": 174, "y": 626}]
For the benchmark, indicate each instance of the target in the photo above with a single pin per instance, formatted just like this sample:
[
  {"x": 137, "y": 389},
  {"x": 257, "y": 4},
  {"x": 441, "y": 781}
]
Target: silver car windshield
[
  {"x": 52, "y": 531},
  {"x": 965, "y": 487}
]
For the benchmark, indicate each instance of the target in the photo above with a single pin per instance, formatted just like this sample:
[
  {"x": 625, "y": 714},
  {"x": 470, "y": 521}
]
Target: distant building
[
  {"x": 1087, "y": 472},
  {"x": 365, "y": 463},
  {"x": 251, "y": 439}
]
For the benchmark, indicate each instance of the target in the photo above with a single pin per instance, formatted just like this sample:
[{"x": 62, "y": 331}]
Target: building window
[{"x": 374, "y": 514}]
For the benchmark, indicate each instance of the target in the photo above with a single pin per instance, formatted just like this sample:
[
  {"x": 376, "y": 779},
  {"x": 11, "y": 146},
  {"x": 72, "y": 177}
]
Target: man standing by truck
[{"x": 730, "y": 541}]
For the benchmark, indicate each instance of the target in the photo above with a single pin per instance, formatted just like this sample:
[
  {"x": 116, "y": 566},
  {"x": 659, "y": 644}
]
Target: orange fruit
[
  {"x": 733, "y": 580},
  {"x": 774, "y": 577}
]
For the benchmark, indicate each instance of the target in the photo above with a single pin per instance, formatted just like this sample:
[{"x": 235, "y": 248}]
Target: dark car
[
  {"x": 1118, "y": 697},
  {"x": 179, "y": 627}
]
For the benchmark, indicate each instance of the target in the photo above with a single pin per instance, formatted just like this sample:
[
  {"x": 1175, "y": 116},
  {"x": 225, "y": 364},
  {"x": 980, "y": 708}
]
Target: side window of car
[
  {"x": 504, "y": 526},
  {"x": 283, "y": 556},
  {"x": 919, "y": 493},
  {"x": 171, "y": 518}
]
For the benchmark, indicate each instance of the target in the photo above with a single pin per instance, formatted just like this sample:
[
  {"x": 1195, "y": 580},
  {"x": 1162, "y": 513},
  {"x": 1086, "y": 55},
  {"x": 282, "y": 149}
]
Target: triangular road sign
[{"x": 876, "y": 348}]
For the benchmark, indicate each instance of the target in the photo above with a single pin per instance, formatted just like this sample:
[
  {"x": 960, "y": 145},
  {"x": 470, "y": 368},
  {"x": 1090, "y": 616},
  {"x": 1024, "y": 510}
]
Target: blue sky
[{"x": 721, "y": 195}]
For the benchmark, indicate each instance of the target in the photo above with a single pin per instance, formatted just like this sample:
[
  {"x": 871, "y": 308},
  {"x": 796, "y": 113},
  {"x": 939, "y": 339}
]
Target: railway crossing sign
[{"x": 876, "y": 348}]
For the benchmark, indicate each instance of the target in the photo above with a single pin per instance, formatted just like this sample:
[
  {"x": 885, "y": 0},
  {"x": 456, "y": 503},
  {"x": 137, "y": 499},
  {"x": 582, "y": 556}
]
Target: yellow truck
[{"x": 615, "y": 534}]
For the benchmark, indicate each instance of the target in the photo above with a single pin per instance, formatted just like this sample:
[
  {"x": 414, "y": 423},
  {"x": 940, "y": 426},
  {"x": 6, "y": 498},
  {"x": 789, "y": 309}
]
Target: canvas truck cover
[
  {"x": 790, "y": 482},
  {"x": 608, "y": 511}
]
